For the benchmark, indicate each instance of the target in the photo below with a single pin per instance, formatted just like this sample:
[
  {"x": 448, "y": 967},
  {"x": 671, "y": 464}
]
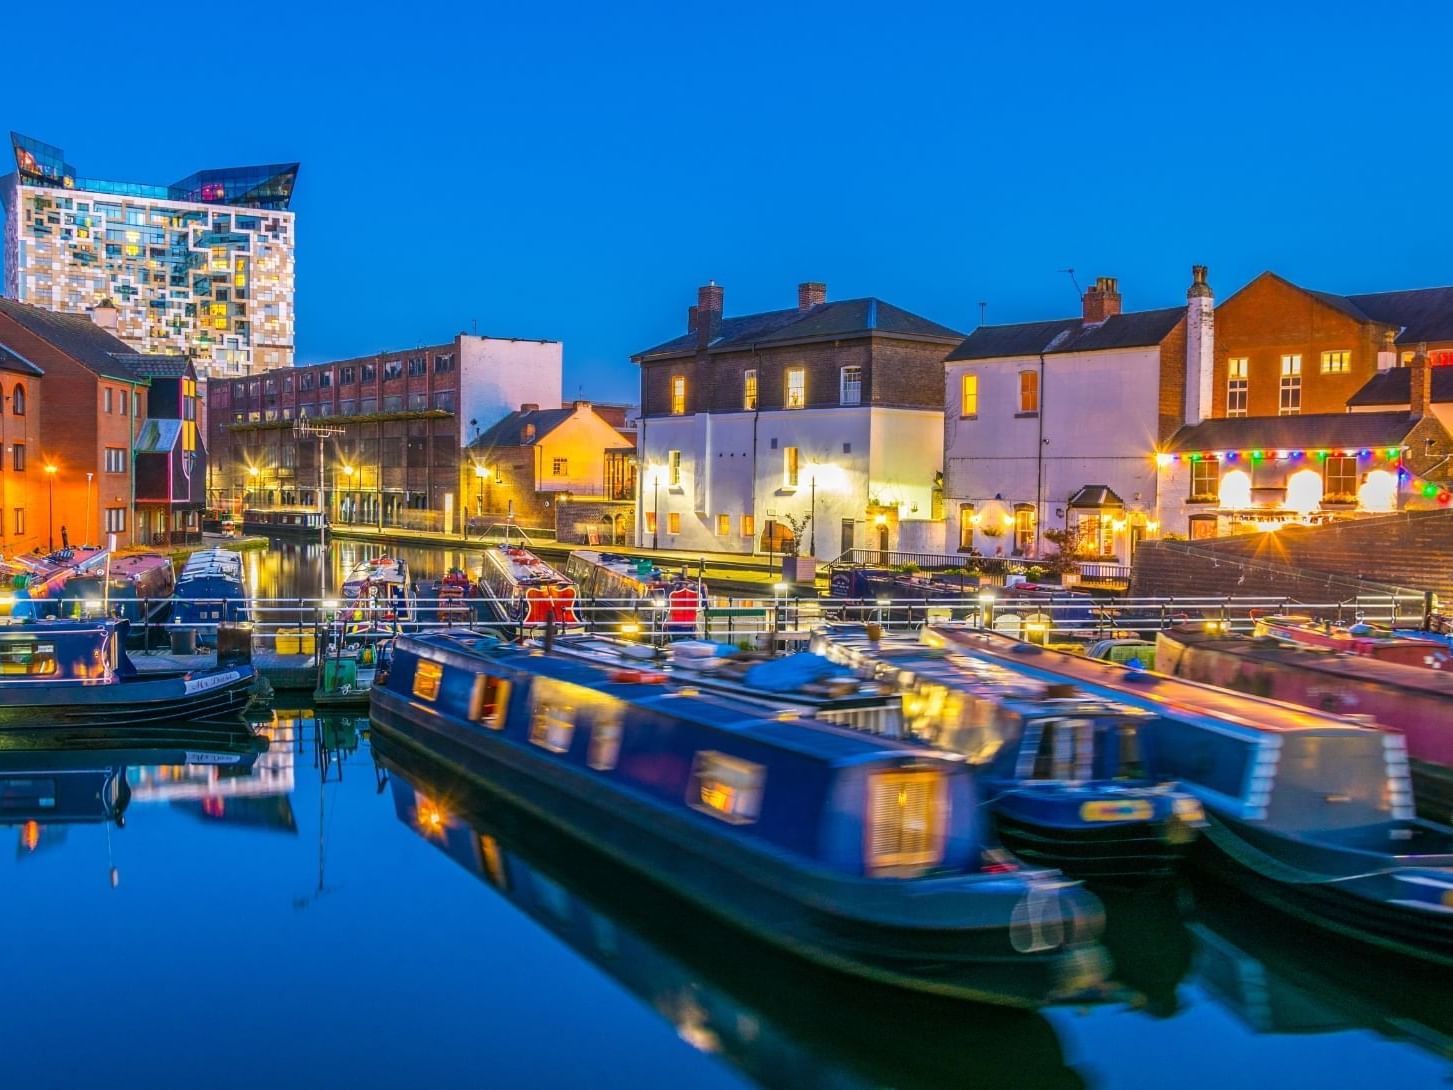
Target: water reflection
[{"x": 297, "y": 569}]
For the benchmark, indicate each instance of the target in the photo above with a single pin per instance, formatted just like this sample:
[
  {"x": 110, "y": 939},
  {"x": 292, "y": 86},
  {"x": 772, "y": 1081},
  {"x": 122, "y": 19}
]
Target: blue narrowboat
[
  {"x": 721, "y": 991},
  {"x": 1309, "y": 812},
  {"x": 210, "y": 591},
  {"x": 137, "y": 587},
  {"x": 855, "y": 852}
]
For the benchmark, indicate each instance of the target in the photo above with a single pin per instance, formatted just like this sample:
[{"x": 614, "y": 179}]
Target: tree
[
  {"x": 1062, "y": 561},
  {"x": 798, "y": 524}
]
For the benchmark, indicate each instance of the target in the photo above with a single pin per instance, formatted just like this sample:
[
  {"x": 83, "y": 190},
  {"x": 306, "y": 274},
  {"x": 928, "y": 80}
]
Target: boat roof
[
  {"x": 834, "y": 745},
  {"x": 522, "y": 566},
  {"x": 1169, "y": 696},
  {"x": 49, "y": 626},
  {"x": 1324, "y": 661}
]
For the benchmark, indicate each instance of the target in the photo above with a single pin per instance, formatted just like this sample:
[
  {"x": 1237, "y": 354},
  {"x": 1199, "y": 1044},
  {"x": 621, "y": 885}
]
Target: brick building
[
  {"x": 403, "y": 419},
  {"x": 22, "y": 483},
  {"x": 831, "y": 411},
  {"x": 113, "y": 461},
  {"x": 1283, "y": 349}
]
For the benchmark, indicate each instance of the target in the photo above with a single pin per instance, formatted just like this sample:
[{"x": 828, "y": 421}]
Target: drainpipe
[
  {"x": 1039, "y": 463},
  {"x": 131, "y": 457},
  {"x": 756, "y": 417}
]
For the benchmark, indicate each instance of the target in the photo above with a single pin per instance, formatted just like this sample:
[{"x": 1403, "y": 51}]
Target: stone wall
[{"x": 584, "y": 522}]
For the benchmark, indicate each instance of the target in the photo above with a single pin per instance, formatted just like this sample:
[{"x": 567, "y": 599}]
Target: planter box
[{"x": 799, "y": 569}]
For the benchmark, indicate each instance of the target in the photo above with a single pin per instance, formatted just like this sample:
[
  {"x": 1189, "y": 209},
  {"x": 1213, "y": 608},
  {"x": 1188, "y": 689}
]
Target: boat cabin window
[
  {"x": 605, "y": 736},
  {"x": 1066, "y": 751},
  {"x": 27, "y": 658},
  {"x": 725, "y": 787},
  {"x": 552, "y": 716},
  {"x": 1129, "y": 761},
  {"x": 427, "y": 676},
  {"x": 905, "y": 820},
  {"x": 490, "y": 701},
  {"x": 1331, "y": 782}
]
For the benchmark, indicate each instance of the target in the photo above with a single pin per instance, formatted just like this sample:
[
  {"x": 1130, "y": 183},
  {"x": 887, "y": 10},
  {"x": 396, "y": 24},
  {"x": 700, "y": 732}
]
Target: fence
[{"x": 1091, "y": 570}]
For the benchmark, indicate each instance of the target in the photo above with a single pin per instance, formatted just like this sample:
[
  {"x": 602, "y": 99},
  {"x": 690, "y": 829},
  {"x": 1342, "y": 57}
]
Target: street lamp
[
  {"x": 656, "y": 503},
  {"x": 50, "y": 471},
  {"x": 87, "y": 538},
  {"x": 348, "y": 471}
]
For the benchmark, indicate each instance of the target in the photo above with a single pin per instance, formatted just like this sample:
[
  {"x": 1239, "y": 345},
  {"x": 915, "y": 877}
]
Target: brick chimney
[
  {"x": 1200, "y": 346},
  {"x": 529, "y": 407},
  {"x": 104, "y": 314},
  {"x": 1387, "y": 355},
  {"x": 708, "y": 313},
  {"x": 1421, "y": 383},
  {"x": 1101, "y": 301},
  {"x": 691, "y": 318},
  {"x": 810, "y": 293}
]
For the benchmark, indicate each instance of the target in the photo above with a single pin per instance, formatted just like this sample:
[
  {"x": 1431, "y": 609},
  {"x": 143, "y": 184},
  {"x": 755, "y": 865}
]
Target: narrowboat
[
  {"x": 523, "y": 589},
  {"x": 1357, "y": 639},
  {"x": 138, "y": 589},
  {"x": 1061, "y": 770},
  {"x": 210, "y": 591},
  {"x": 721, "y": 990},
  {"x": 1310, "y": 813},
  {"x": 1414, "y": 700},
  {"x": 294, "y": 522},
  {"x": 454, "y": 598},
  {"x": 37, "y": 582},
  {"x": 862, "y": 854},
  {"x": 634, "y": 591},
  {"x": 378, "y": 592},
  {"x": 65, "y": 674}
]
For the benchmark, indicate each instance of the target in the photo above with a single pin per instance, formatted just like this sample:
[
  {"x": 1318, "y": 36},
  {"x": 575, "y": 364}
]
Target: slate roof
[
  {"x": 1309, "y": 432},
  {"x": 155, "y": 366},
  {"x": 158, "y": 436},
  {"x": 1395, "y": 387},
  {"x": 825, "y": 321},
  {"x": 13, "y": 361},
  {"x": 509, "y": 432},
  {"x": 83, "y": 340},
  {"x": 1424, "y": 314},
  {"x": 1096, "y": 495},
  {"x": 1138, "y": 329}
]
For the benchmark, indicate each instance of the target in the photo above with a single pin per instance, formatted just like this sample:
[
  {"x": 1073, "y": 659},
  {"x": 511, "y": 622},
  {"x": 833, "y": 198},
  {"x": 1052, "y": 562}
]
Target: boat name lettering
[{"x": 203, "y": 684}]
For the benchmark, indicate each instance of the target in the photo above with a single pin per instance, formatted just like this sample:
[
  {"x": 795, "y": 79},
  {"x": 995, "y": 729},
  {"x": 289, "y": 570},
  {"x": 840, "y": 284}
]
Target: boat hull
[
  {"x": 217, "y": 696},
  {"x": 973, "y": 955},
  {"x": 1125, "y": 851}
]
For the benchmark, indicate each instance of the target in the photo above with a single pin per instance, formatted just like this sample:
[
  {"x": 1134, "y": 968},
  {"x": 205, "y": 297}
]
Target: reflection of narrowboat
[
  {"x": 1411, "y": 699},
  {"x": 723, "y": 991},
  {"x": 852, "y": 851},
  {"x": 140, "y": 589},
  {"x": 77, "y": 673},
  {"x": 210, "y": 591},
  {"x": 523, "y": 588},
  {"x": 1310, "y": 813},
  {"x": 1062, "y": 771},
  {"x": 616, "y": 588}
]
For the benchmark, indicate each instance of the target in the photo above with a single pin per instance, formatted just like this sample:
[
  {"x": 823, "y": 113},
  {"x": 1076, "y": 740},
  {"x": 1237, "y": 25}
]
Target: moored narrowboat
[
  {"x": 210, "y": 591},
  {"x": 637, "y": 592},
  {"x": 859, "y": 853},
  {"x": 523, "y": 589},
  {"x": 1310, "y": 813},
  {"x": 138, "y": 588},
  {"x": 1356, "y": 639},
  {"x": 378, "y": 592}
]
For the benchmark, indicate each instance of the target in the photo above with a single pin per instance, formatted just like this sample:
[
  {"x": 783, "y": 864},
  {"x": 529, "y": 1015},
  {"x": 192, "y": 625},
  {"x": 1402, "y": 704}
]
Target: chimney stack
[
  {"x": 1421, "y": 381},
  {"x": 708, "y": 313},
  {"x": 691, "y": 318},
  {"x": 810, "y": 293},
  {"x": 1101, "y": 301},
  {"x": 104, "y": 314},
  {"x": 1387, "y": 355},
  {"x": 1200, "y": 346}
]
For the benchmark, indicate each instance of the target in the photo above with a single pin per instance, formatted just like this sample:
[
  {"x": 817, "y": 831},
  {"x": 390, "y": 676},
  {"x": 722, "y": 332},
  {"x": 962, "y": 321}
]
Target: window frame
[
  {"x": 1199, "y": 474},
  {"x": 846, "y": 380},
  {"x": 1289, "y": 393},
  {"x": 969, "y": 395},
  {"x": 678, "y": 395},
  {"x": 749, "y": 389},
  {"x": 1336, "y": 361},
  {"x": 794, "y": 388},
  {"x": 791, "y": 467},
  {"x": 1028, "y": 392},
  {"x": 1238, "y": 385}
]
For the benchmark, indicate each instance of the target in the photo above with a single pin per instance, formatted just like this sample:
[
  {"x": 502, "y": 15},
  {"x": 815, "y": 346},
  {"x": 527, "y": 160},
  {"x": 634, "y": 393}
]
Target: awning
[{"x": 1096, "y": 495}]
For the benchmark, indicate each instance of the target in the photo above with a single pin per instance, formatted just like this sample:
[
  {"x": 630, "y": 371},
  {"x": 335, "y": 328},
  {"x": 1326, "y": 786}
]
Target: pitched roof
[
  {"x": 1137, "y": 329},
  {"x": 1423, "y": 314},
  {"x": 10, "y": 360},
  {"x": 825, "y": 321},
  {"x": 1096, "y": 495},
  {"x": 1310, "y": 432},
  {"x": 78, "y": 337},
  {"x": 157, "y": 436},
  {"x": 1395, "y": 387},
  {"x": 155, "y": 366}
]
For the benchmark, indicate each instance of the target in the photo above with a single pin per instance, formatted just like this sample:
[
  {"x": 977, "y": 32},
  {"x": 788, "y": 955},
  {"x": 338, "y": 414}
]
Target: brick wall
[
  {"x": 1171, "y": 407},
  {"x": 576, "y": 520}
]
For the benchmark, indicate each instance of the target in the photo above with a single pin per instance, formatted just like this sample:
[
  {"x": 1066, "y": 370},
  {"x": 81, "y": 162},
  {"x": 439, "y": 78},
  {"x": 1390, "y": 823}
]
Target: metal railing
[{"x": 1092, "y": 570}]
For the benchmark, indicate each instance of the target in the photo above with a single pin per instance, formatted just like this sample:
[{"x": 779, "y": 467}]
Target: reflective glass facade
[{"x": 204, "y": 265}]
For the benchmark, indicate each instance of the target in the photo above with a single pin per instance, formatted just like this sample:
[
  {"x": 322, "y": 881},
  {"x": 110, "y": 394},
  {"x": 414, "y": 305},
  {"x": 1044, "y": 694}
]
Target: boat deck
[{"x": 283, "y": 672}]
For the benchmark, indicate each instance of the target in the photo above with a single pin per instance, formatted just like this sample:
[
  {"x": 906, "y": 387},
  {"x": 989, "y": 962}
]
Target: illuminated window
[
  {"x": 725, "y": 787},
  {"x": 552, "y": 717},
  {"x": 20, "y": 520},
  {"x": 678, "y": 395},
  {"x": 723, "y": 525},
  {"x": 115, "y": 459},
  {"x": 673, "y": 522},
  {"x": 1024, "y": 524},
  {"x": 1235, "y": 491},
  {"x": 969, "y": 395},
  {"x": 650, "y": 522},
  {"x": 1339, "y": 475},
  {"x": 1291, "y": 386},
  {"x": 427, "y": 676},
  {"x": 796, "y": 388},
  {"x": 17, "y": 402},
  {"x": 905, "y": 819},
  {"x": 1237, "y": 385},
  {"x": 115, "y": 520},
  {"x": 673, "y": 468},
  {"x": 1336, "y": 363},
  {"x": 749, "y": 526},
  {"x": 850, "y": 386},
  {"x": 490, "y": 701},
  {"x": 789, "y": 467},
  {"x": 1028, "y": 392},
  {"x": 749, "y": 389},
  {"x": 966, "y": 526},
  {"x": 1205, "y": 478},
  {"x": 605, "y": 736},
  {"x": 27, "y": 657}
]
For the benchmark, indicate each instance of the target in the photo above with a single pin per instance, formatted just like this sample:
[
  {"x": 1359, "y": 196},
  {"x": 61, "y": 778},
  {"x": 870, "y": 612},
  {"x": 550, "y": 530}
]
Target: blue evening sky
[{"x": 574, "y": 172}]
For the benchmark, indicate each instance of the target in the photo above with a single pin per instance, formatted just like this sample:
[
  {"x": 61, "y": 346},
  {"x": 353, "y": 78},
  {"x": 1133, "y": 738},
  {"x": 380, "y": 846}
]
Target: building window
[
  {"x": 346, "y": 376},
  {"x": 1205, "y": 479},
  {"x": 115, "y": 460},
  {"x": 392, "y": 369},
  {"x": 850, "y": 386},
  {"x": 559, "y": 467},
  {"x": 325, "y": 380},
  {"x": 115, "y": 520},
  {"x": 17, "y": 457},
  {"x": 789, "y": 467},
  {"x": 125, "y": 406},
  {"x": 749, "y": 389},
  {"x": 796, "y": 397},
  {"x": 749, "y": 526},
  {"x": 17, "y": 403},
  {"x": 107, "y": 397},
  {"x": 969, "y": 395},
  {"x": 20, "y": 520},
  {"x": 1291, "y": 386},
  {"x": 418, "y": 365},
  {"x": 443, "y": 363},
  {"x": 650, "y": 522},
  {"x": 966, "y": 526},
  {"x": 1336, "y": 363},
  {"x": 1028, "y": 392},
  {"x": 673, "y": 468},
  {"x": 723, "y": 525},
  {"x": 1339, "y": 479},
  {"x": 368, "y": 372},
  {"x": 678, "y": 395},
  {"x": 1237, "y": 385},
  {"x": 673, "y": 522},
  {"x": 1024, "y": 521}
]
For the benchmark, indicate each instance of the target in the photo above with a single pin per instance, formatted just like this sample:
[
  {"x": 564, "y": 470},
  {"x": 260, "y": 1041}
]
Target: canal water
[{"x": 338, "y": 910}]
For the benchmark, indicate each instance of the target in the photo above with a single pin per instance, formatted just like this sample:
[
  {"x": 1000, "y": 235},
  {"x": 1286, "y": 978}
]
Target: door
[
  {"x": 847, "y": 538},
  {"x": 882, "y": 544}
]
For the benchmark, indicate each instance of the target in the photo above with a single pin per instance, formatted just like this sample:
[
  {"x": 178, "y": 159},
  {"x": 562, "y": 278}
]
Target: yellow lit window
[
  {"x": 969, "y": 395},
  {"x": 796, "y": 388},
  {"x": 219, "y": 323},
  {"x": 605, "y": 736},
  {"x": 552, "y": 716},
  {"x": 723, "y": 525},
  {"x": 217, "y": 310},
  {"x": 673, "y": 522},
  {"x": 789, "y": 467},
  {"x": 905, "y": 819},
  {"x": 239, "y": 281},
  {"x": 489, "y": 701},
  {"x": 749, "y": 526},
  {"x": 749, "y": 389},
  {"x": 726, "y": 787},
  {"x": 427, "y": 676},
  {"x": 1028, "y": 392},
  {"x": 673, "y": 468},
  {"x": 650, "y": 522},
  {"x": 1336, "y": 363},
  {"x": 678, "y": 395}
]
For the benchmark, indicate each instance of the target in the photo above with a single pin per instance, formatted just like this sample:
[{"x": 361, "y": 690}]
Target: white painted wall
[{"x": 498, "y": 375}]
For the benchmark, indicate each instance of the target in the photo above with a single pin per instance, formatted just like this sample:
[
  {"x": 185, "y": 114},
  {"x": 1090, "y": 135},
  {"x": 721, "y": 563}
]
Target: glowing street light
[{"x": 50, "y": 472}]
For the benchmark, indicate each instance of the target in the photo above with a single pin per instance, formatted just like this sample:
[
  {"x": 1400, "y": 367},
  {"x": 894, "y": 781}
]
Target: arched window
[{"x": 17, "y": 403}]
